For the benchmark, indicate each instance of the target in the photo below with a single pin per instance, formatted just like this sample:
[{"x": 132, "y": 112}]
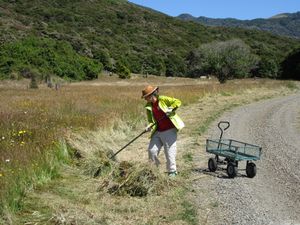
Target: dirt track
[{"x": 273, "y": 196}]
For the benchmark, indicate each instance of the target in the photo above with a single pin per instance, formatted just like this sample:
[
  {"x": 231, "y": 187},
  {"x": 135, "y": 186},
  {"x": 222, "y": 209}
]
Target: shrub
[
  {"x": 175, "y": 66},
  {"x": 46, "y": 56},
  {"x": 153, "y": 64},
  {"x": 122, "y": 71},
  {"x": 104, "y": 57},
  {"x": 33, "y": 82},
  {"x": 268, "y": 68}
]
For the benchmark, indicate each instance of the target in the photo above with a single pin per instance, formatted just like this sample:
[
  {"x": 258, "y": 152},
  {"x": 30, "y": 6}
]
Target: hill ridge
[{"x": 286, "y": 24}]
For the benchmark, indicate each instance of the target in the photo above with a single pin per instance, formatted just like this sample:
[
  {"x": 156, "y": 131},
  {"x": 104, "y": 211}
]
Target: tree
[
  {"x": 104, "y": 57},
  {"x": 122, "y": 71},
  {"x": 226, "y": 60},
  {"x": 175, "y": 66},
  {"x": 291, "y": 66},
  {"x": 268, "y": 68},
  {"x": 47, "y": 56},
  {"x": 153, "y": 64},
  {"x": 91, "y": 70},
  {"x": 33, "y": 83}
]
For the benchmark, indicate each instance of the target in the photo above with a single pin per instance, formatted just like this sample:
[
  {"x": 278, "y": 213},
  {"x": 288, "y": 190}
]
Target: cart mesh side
[{"x": 233, "y": 149}]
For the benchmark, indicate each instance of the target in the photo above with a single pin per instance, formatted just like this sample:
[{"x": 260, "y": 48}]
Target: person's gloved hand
[
  {"x": 169, "y": 111},
  {"x": 148, "y": 128}
]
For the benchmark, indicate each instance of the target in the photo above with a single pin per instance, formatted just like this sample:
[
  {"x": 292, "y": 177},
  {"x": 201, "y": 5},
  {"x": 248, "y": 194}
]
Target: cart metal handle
[{"x": 222, "y": 129}]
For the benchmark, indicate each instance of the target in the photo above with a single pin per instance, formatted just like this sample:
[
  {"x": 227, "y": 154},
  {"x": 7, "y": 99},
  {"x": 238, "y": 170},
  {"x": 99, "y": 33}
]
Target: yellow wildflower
[
  {"x": 22, "y": 132},
  {"x": 1, "y": 174}
]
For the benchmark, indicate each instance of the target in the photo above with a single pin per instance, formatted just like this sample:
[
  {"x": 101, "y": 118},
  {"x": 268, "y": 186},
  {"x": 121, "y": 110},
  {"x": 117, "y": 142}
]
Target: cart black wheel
[
  {"x": 231, "y": 170},
  {"x": 251, "y": 170},
  {"x": 212, "y": 164}
]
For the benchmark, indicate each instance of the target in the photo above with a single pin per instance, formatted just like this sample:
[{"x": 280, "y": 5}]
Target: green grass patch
[
  {"x": 31, "y": 177},
  {"x": 188, "y": 157},
  {"x": 223, "y": 93},
  {"x": 189, "y": 213},
  {"x": 292, "y": 85}
]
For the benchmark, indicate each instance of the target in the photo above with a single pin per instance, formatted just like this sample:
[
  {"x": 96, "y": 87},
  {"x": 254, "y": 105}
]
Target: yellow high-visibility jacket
[{"x": 164, "y": 104}]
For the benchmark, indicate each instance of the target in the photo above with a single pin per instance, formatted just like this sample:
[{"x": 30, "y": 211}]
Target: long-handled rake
[{"x": 130, "y": 142}]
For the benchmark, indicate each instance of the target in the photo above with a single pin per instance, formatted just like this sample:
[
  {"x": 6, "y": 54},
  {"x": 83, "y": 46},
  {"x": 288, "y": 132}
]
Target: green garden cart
[{"x": 230, "y": 152}]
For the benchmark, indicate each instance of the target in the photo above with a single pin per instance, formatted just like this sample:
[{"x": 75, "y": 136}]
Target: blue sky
[{"x": 239, "y": 9}]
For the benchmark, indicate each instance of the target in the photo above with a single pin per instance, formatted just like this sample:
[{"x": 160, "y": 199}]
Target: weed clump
[{"x": 135, "y": 180}]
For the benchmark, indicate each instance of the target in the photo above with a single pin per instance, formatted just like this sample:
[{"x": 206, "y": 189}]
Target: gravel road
[{"x": 273, "y": 195}]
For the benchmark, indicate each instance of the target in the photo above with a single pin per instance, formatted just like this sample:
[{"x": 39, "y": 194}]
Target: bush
[
  {"x": 104, "y": 57},
  {"x": 46, "y": 56},
  {"x": 91, "y": 70},
  {"x": 33, "y": 82},
  {"x": 153, "y": 64},
  {"x": 268, "y": 68},
  {"x": 175, "y": 66},
  {"x": 122, "y": 71}
]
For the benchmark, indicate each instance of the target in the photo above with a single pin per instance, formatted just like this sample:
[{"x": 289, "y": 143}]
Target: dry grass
[{"x": 96, "y": 118}]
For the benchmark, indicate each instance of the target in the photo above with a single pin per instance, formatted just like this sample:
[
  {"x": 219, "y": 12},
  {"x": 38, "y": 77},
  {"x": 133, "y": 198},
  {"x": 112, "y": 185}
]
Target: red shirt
[{"x": 164, "y": 123}]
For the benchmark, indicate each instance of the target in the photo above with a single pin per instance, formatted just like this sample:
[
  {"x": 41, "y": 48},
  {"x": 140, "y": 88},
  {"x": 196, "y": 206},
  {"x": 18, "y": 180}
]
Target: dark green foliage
[
  {"x": 291, "y": 66},
  {"x": 226, "y": 60},
  {"x": 195, "y": 66},
  {"x": 113, "y": 30},
  {"x": 175, "y": 66},
  {"x": 104, "y": 57},
  {"x": 122, "y": 71},
  {"x": 90, "y": 69},
  {"x": 46, "y": 56},
  {"x": 268, "y": 68},
  {"x": 153, "y": 64},
  {"x": 33, "y": 82}
]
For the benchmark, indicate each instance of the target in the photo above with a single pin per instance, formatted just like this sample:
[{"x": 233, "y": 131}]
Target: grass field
[{"x": 41, "y": 129}]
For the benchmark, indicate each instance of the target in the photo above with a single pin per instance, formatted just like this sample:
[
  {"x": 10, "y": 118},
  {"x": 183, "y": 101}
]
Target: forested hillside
[
  {"x": 287, "y": 24},
  {"x": 76, "y": 39}
]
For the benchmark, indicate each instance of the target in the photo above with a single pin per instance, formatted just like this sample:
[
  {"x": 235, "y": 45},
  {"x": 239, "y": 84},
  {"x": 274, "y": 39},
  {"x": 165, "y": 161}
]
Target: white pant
[{"x": 168, "y": 140}]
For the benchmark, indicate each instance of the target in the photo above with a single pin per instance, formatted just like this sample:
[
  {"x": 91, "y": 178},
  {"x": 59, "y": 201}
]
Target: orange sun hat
[{"x": 148, "y": 90}]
